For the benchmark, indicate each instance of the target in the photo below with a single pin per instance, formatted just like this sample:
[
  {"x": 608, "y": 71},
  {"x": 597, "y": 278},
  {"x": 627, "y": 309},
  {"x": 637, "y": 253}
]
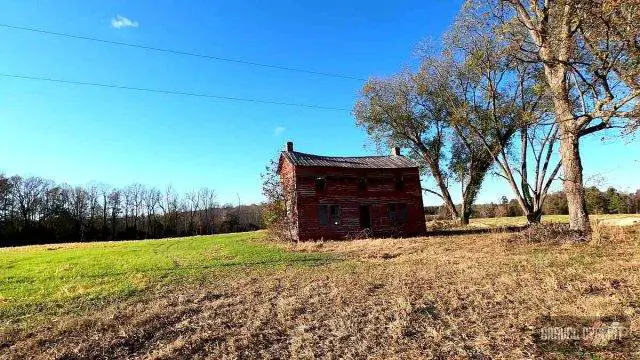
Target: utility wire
[
  {"x": 170, "y": 92},
  {"x": 178, "y": 52}
]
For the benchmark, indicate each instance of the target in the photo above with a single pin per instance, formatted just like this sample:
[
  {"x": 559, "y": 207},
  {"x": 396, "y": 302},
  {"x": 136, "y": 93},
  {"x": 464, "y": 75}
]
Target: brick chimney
[
  {"x": 289, "y": 146},
  {"x": 395, "y": 151}
]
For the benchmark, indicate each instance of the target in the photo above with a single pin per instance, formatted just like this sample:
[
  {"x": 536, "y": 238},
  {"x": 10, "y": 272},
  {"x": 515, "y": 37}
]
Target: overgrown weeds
[
  {"x": 557, "y": 233},
  {"x": 549, "y": 233}
]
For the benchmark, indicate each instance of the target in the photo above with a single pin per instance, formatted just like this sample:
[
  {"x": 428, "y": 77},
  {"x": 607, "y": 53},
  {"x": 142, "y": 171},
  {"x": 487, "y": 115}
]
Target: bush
[{"x": 278, "y": 212}]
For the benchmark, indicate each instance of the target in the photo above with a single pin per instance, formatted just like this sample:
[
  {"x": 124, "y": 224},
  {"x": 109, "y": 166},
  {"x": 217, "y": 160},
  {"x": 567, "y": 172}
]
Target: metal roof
[{"x": 357, "y": 162}]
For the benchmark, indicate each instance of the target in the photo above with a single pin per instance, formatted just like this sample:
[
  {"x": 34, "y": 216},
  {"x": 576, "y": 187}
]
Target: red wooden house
[{"x": 341, "y": 197}]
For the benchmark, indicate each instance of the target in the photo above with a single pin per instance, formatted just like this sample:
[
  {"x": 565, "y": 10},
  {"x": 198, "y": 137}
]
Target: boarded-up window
[
  {"x": 335, "y": 214},
  {"x": 397, "y": 213},
  {"x": 321, "y": 184},
  {"x": 402, "y": 213},
  {"x": 393, "y": 215},
  {"x": 399, "y": 182},
  {"x": 362, "y": 183},
  {"x": 323, "y": 214}
]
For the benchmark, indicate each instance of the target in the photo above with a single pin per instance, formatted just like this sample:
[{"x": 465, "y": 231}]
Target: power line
[
  {"x": 169, "y": 92},
  {"x": 185, "y": 53}
]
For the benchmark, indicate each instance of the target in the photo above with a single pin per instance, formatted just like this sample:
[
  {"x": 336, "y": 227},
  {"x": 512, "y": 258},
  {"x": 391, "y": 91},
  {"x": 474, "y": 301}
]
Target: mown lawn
[{"x": 34, "y": 279}]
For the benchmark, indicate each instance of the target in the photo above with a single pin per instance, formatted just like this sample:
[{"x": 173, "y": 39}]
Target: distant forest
[
  {"x": 34, "y": 210},
  {"x": 611, "y": 201}
]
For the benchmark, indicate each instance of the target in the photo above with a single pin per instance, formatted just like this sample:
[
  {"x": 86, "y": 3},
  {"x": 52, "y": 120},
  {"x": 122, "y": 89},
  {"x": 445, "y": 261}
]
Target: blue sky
[{"x": 80, "y": 134}]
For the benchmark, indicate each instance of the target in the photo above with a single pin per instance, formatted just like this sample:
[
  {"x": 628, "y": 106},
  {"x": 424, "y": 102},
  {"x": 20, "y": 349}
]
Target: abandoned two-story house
[{"x": 341, "y": 197}]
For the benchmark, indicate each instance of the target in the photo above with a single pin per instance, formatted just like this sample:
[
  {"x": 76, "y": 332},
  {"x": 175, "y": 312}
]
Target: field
[
  {"x": 52, "y": 277},
  {"x": 242, "y": 296},
  {"x": 521, "y": 220}
]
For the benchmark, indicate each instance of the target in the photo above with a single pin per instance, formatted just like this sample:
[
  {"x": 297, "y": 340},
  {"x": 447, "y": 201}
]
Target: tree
[
  {"x": 617, "y": 202},
  {"x": 413, "y": 111},
  {"x": 208, "y": 198},
  {"x": 556, "y": 204},
  {"x": 104, "y": 193},
  {"x": 589, "y": 51},
  {"x": 192, "y": 204},
  {"x": 495, "y": 97},
  {"x": 79, "y": 207},
  {"x": 5, "y": 191},
  {"x": 279, "y": 212},
  {"x": 115, "y": 204},
  {"x": 151, "y": 199},
  {"x": 29, "y": 194},
  {"x": 596, "y": 201}
]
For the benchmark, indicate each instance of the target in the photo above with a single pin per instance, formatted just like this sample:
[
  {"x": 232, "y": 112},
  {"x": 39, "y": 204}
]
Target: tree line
[
  {"x": 35, "y": 210},
  {"x": 610, "y": 201},
  {"x": 513, "y": 87}
]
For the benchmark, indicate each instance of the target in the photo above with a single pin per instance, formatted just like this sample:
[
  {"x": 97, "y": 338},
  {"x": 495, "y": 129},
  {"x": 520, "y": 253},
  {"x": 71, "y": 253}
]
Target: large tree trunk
[
  {"x": 465, "y": 214},
  {"x": 573, "y": 182},
  {"x": 444, "y": 191},
  {"x": 534, "y": 217},
  {"x": 569, "y": 149}
]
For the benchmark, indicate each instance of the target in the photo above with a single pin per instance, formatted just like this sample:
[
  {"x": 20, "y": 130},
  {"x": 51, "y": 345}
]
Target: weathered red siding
[{"x": 342, "y": 189}]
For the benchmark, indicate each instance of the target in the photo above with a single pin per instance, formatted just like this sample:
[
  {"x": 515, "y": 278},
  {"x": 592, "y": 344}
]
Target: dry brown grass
[{"x": 441, "y": 297}]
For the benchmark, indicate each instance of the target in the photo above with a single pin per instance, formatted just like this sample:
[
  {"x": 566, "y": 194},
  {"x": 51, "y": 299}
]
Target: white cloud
[
  {"x": 120, "y": 22},
  {"x": 278, "y": 130}
]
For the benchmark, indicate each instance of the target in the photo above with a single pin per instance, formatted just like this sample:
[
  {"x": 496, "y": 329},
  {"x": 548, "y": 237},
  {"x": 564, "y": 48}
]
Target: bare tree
[
  {"x": 169, "y": 207},
  {"x": 208, "y": 199},
  {"x": 79, "y": 208},
  {"x": 498, "y": 96},
  {"x": 115, "y": 204},
  {"x": 416, "y": 111},
  {"x": 151, "y": 199},
  {"x": 589, "y": 51},
  {"x": 5, "y": 192},
  {"x": 104, "y": 190},
  {"x": 137, "y": 198},
  {"x": 192, "y": 204},
  {"x": 28, "y": 193},
  {"x": 93, "y": 200}
]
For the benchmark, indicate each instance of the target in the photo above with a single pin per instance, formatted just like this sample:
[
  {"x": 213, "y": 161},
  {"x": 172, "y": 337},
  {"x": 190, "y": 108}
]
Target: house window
[
  {"x": 321, "y": 183},
  {"x": 362, "y": 183},
  {"x": 329, "y": 214},
  {"x": 399, "y": 182},
  {"x": 335, "y": 214},
  {"x": 323, "y": 215},
  {"x": 393, "y": 215},
  {"x": 402, "y": 213},
  {"x": 397, "y": 213}
]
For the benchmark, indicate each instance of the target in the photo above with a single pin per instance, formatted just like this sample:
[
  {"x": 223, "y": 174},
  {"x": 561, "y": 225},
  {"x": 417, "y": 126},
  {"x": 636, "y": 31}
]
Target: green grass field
[
  {"x": 46, "y": 277},
  {"x": 458, "y": 295}
]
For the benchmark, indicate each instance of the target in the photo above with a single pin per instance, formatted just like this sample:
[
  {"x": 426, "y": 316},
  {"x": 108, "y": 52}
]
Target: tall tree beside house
[
  {"x": 498, "y": 101},
  {"x": 410, "y": 110},
  {"x": 590, "y": 54},
  {"x": 459, "y": 115}
]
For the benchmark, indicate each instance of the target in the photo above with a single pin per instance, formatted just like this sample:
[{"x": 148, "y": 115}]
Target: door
[{"x": 365, "y": 217}]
